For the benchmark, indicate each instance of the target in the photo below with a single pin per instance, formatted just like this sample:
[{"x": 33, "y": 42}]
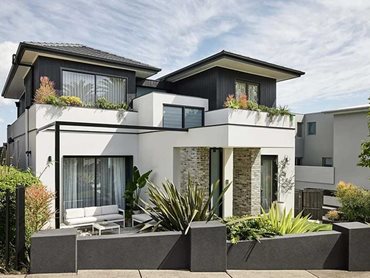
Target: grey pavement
[{"x": 185, "y": 273}]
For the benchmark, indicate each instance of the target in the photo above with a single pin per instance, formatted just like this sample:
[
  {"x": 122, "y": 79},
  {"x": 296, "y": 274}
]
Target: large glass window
[
  {"x": 251, "y": 90},
  {"x": 80, "y": 85},
  {"x": 94, "y": 181},
  {"x": 172, "y": 117},
  {"x": 90, "y": 87},
  {"x": 111, "y": 88},
  {"x": 182, "y": 117},
  {"x": 193, "y": 117}
]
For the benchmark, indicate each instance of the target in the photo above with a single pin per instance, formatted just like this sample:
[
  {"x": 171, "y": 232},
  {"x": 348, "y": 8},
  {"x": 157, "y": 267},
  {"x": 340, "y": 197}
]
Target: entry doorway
[{"x": 268, "y": 181}]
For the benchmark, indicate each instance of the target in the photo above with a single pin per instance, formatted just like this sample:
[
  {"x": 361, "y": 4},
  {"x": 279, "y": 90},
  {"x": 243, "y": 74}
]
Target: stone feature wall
[
  {"x": 247, "y": 181},
  {"x": 194, "y": 161}
]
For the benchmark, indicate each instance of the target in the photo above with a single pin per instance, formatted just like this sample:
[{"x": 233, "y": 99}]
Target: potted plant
[
  {"x": 284, "y": 181},
  {"x": 133, "y": 190}
]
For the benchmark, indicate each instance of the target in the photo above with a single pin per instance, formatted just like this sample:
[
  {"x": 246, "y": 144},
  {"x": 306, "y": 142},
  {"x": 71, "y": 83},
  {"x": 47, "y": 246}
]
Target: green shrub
[
  {"x": 248, "y": 228},
  {"x": 54, "y": 100},
  {"x": 174, "y": 211},
  {"x": 133, "y": 190},
  {"x": 71, "y": 100},
  {"x": 355, "y": 202},
  {"x": 103, "y": 103},
  {"x": 10, "y": 177}
]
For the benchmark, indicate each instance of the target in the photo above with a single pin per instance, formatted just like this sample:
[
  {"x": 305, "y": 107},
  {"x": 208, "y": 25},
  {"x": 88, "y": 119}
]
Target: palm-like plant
[
  {"x": 287, "y": 224},
  {"x": 174, "y": 211}
]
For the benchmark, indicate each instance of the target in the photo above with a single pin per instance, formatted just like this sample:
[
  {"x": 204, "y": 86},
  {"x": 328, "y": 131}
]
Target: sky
[{"x": 328, "y": 40}]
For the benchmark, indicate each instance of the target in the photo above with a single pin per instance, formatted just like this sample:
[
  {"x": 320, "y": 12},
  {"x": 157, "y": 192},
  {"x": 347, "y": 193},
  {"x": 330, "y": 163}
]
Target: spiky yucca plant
[
  {"x": 287, "y": 224},
  {"x": 174, "y": 211}
]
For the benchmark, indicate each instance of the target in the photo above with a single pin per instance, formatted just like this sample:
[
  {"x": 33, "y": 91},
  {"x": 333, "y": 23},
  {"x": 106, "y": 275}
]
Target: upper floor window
[
  {"x": 182, "y": 117},
  {"x": 251, "y": 90},
  {"x": 90, "y": 87},
  {"x": 299, "y": 129},
  {"x": 327, "y": 161},
  {"x": 311, "y": 128}
]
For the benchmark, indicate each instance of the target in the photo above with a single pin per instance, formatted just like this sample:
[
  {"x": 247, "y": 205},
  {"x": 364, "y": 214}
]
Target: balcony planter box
[{"x": 247, "y": 117}]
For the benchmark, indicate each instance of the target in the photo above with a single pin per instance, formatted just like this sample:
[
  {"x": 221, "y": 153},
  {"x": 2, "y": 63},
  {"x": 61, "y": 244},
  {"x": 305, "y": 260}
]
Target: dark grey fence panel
[
  {"x": 54, "y": 251},
  {"x": 324, "y": 250},
  {"x": 162, "y": 250},
  {"x": 357, "y": 238}
]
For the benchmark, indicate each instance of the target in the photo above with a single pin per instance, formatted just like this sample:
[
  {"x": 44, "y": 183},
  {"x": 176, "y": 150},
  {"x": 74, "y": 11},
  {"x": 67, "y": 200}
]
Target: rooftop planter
[
  {"x": 247, "y": 117},
  {"x": 44, "y": 114},
  {"x": 243, "y": 112}
]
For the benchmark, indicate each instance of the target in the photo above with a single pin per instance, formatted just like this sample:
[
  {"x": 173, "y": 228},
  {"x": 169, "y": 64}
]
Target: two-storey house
[{"x": 176, "y": 126}]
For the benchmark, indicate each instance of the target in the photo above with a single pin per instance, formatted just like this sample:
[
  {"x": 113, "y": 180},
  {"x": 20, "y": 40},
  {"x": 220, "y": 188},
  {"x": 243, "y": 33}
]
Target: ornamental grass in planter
[
  {"x": 270, "y": 224},
  {"x": 175, "y": 211}
]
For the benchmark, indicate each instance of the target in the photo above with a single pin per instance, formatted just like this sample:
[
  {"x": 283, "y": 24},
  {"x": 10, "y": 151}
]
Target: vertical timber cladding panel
[
  {"x": 313, "y": 200},
  {"x": 194, "y": 162},
  {"x": 247, "y": 181}
]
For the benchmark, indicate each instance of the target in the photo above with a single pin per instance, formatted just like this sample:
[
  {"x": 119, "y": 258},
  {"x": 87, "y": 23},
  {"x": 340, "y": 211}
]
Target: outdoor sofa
[{"x": 78, "y": 217}]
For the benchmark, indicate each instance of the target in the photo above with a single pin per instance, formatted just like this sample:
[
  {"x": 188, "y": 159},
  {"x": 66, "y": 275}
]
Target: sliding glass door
[{"x": 94, "y": 181}]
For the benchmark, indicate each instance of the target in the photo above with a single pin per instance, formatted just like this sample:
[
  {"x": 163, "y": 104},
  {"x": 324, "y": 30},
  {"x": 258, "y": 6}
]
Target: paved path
[{"x": 185, "y": 274}]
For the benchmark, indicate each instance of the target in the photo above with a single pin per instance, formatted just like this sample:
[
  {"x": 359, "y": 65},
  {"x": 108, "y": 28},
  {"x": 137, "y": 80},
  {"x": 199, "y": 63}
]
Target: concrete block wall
[{"x": 247, "y": 181}]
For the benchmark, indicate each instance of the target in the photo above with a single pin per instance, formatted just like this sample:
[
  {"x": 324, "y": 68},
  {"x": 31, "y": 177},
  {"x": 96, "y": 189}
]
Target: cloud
[
  {"x": 329, "y": 40},
  {"x": 7, "y": 49}
]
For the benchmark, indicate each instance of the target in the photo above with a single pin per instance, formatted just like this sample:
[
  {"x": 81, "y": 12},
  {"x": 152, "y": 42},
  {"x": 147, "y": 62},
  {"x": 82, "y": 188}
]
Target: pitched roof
[
  {"x": 88, "y": 52},
  {"x": 232, "y": 60}
]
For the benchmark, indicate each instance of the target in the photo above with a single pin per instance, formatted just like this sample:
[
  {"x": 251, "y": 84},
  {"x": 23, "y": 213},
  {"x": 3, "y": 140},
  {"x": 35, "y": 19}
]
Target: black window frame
[
  {"x": 128, "y": 169},
  {"x": 183, "y": 113},
  {"x": 95, "y": 74},
  {"x": 247, "y": 82},
  {"x": 308, "y": 128}
]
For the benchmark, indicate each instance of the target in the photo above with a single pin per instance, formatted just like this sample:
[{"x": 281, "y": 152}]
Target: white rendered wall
[
  {"x": 350, "y": 130},
  {"x": 321, "y": 144}
]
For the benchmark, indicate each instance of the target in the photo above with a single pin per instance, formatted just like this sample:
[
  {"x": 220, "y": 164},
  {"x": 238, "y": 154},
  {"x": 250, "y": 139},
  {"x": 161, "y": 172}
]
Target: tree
[{"x": 365, "y": 147}]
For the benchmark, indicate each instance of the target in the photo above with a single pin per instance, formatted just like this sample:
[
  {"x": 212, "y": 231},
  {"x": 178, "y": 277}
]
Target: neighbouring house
[
  {"x": 175, "y": 125},
  {"x": 328, "y": 146}
]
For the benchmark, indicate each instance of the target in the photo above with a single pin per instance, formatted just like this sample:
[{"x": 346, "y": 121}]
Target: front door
[
  {"x": 215, "y": 174},
  {"x": 268, "y": 180}
]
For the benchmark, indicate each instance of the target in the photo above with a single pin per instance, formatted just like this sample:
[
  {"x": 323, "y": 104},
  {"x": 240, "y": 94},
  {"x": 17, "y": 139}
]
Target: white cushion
[
  {"x": 113, "y": 209},
  {"x": 83, "y": 220},
  {"x": 142, "y": 217},
  {"x": 109, "y": 217},
  {"x": 92, "y": 211},
  {"x": 74, "y": 213}
]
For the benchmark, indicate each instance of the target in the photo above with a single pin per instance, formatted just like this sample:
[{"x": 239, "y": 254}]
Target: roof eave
[
  {"x": 226, "y": 54},
  {"x": 58, "y": 51}
]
